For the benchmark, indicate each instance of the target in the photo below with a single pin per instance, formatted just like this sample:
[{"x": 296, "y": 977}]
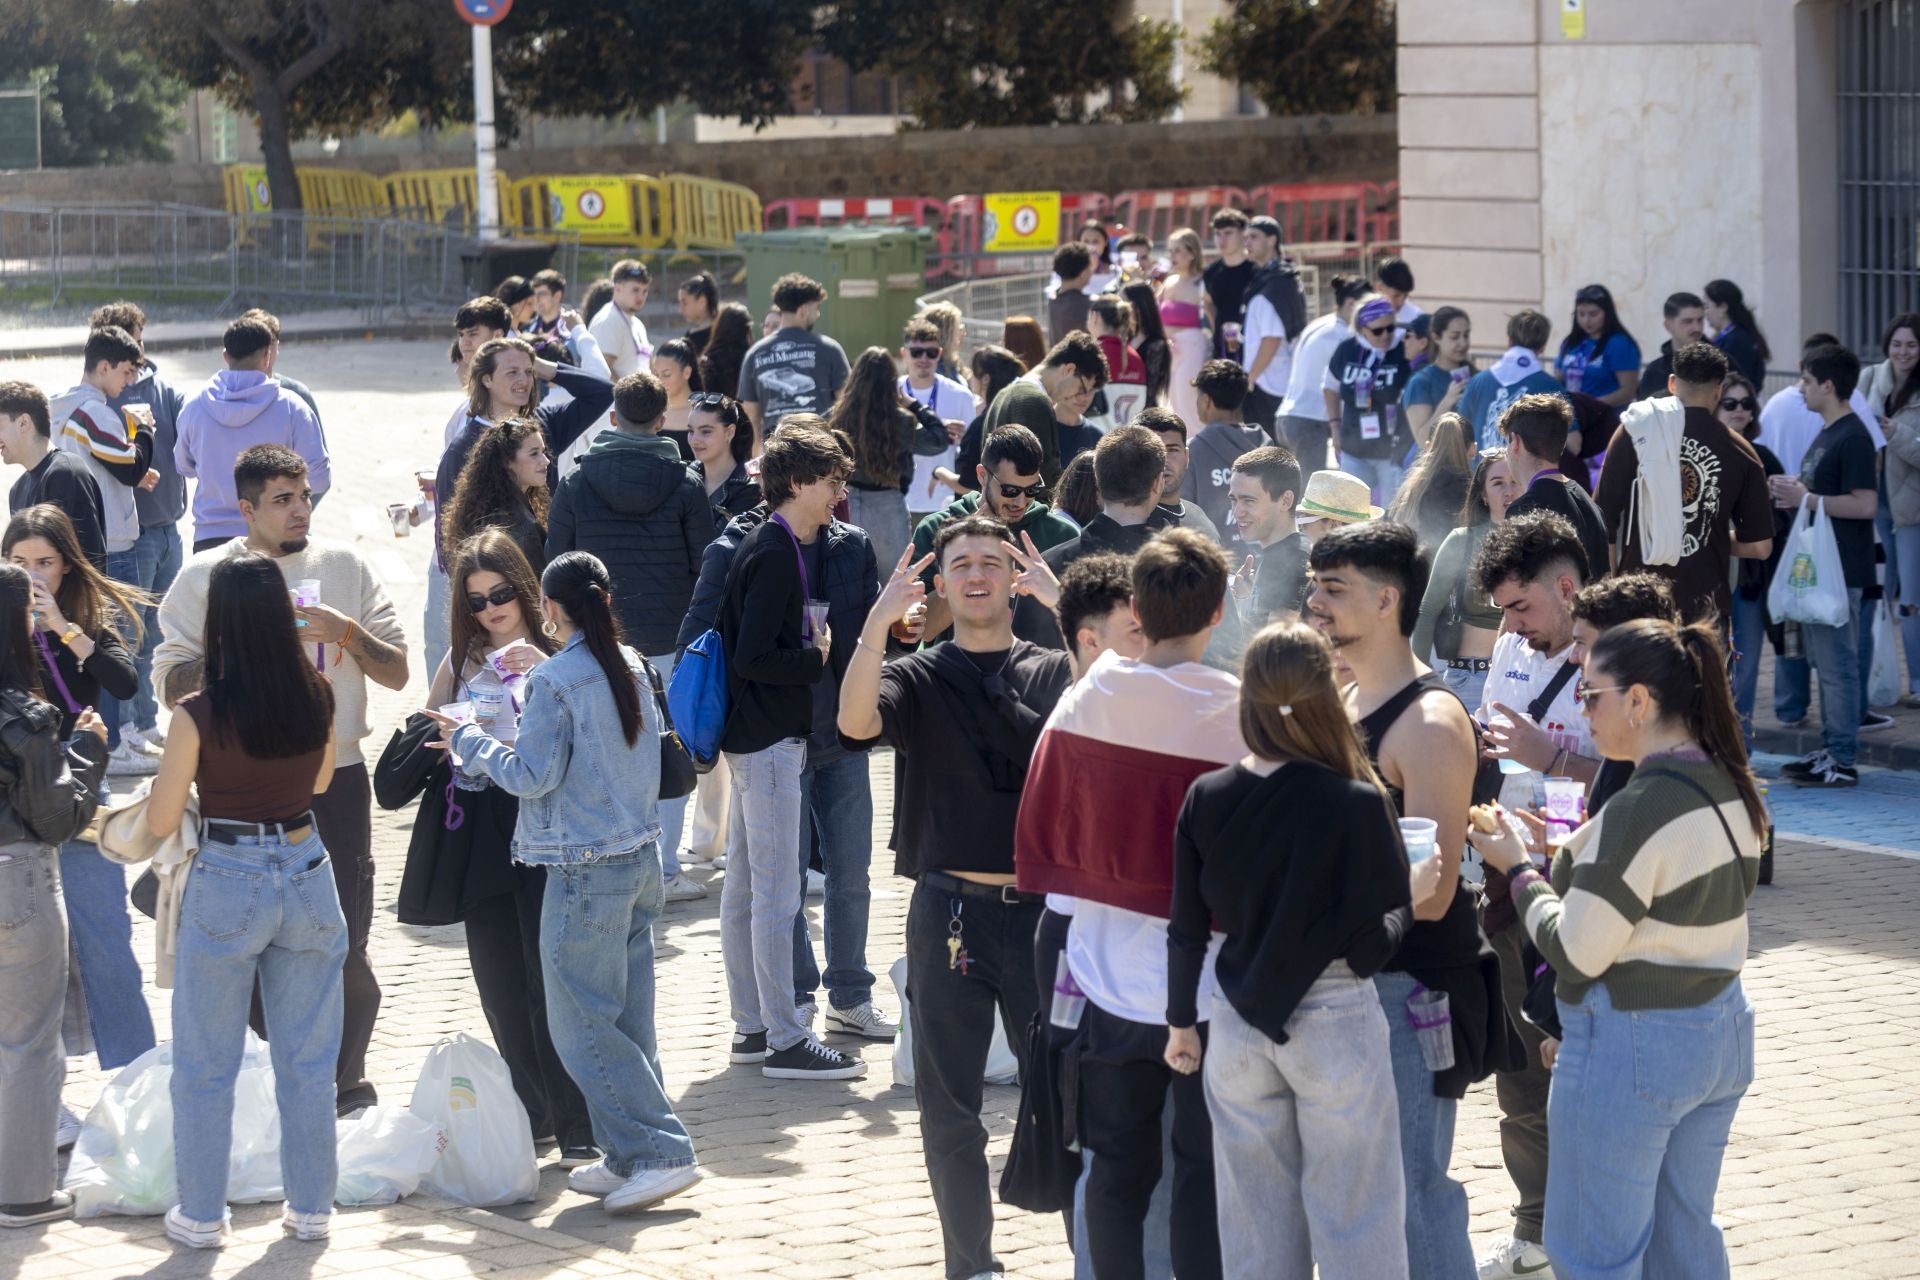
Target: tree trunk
[{"x": 276, "y": 144}]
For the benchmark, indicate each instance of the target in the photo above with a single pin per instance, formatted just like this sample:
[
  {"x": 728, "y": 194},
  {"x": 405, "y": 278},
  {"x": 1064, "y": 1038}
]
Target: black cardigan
[
  {"x": 109, "y": 667},
  {"x": 770, "y": 669}
]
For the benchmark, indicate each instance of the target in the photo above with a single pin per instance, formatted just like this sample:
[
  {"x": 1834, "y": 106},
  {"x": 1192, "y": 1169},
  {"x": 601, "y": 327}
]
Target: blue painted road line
[{"x": 1882, "y": 814}]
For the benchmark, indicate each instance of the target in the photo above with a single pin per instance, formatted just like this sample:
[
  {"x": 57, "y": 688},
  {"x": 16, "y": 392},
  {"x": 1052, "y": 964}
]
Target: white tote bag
[{"x": 1809, "y": 585}]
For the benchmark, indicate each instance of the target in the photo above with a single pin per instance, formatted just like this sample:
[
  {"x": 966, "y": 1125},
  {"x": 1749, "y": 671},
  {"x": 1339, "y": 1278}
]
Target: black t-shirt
[
  {"x": 956, "y": 808},
  {"x": 1839, "y": 461},
  {"x": 1227, "y": 289},
  {"x": 1375, "y": 428},
  {"x": 62, "y": 479},
  {"x": 1280, "y": 579},
  {"x": 1553, "y": 492}
]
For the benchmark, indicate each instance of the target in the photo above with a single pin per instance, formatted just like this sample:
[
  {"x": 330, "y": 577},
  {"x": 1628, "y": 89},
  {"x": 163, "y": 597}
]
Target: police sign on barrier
[{"x": 1020, "y": 221}]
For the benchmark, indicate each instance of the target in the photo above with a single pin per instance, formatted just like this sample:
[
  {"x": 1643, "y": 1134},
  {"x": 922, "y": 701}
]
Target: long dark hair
[
  {"x": 1727, "y": 294},
  {"x": 1153, "y": 338},
  {"x": 578, "y": 583},
  {"x": 1908, "y": 390},
  {"x": 598, "y": 295},
  {"x": 1685, "y": 669},
  {"x": 1476, "y": 512},
  {"x": 726, "y": 348},
  {"x": 87, "y": 597},
  {"x": 1600, "y": 296},
  {"x": 486, "y": 495},
  {"x": 869, "y": 412},
  {"x": 1106, "y": 240},
  {"x": 702, "y": 286},
  {"x": 1078, "y": 493},
  {"x": 728, "y": 410},
  {"x": 680, "y": 351},
  {"x": 261, "y": 686},
  {"x": 19, "y": 669},
  {"x": 490, "y": 551},
  {"x": 997, "y": 369}
]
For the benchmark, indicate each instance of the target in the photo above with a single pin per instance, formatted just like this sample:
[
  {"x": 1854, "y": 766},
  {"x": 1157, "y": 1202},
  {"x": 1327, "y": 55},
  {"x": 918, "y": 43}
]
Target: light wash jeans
[
  {"x": 1749, "y": 647},
  {"x": 673, "y": 813},
  {"x": 157, "y": 556},
  {"x": 124, "y": 567},
  {"x": 712, "y": 803},
  {"x": 1641, "y": 1107},
  {"x": 838, "y": 797},
  {"x": 33, "y": 988},
  {"x": 1793, "y": 677},
  {"x": 596, "y": 950},
  {"x": 1834, "y": 653},
  {"x": 268, "y": 909},
  {"x": 762, "y": 891},
  {"x": 110, "y": 976},
  {"x": 1306, "y": 1149},
  {"x": 437, "y": 626},
  {"x": 1381, "y": 474},
  {"x": 1438, "y": 1246},
  {"x": 1469, "y": 685}
]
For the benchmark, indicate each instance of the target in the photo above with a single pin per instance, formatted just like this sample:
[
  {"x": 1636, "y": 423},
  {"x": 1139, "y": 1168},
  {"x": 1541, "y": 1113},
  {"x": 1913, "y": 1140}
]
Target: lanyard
[
  {"x": 933, "y": 394},
  {"x": 1538, "y": 476},
  {"x": 806, "y": 585},
  {"x": 53, "y": 669}
]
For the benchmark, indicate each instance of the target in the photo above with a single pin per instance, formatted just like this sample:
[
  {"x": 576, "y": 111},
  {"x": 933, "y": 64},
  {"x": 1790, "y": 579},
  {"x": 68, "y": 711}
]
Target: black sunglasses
[
  {"x": 1730, "y": 403},
  {"x": 502, "y": 594},
  {"x": 1377, "y": 330},
  {"x": 924, "y": 353},
  {"x": 1011, "y": 491},
  {"x": 708, "y": 400}
]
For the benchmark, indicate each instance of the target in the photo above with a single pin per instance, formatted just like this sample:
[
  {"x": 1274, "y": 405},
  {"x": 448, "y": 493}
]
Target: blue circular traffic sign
[{"x": 483, "y": 13}]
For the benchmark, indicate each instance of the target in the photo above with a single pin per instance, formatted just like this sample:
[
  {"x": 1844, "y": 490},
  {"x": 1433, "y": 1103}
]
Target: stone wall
[{"x": 1107, "y": 158}]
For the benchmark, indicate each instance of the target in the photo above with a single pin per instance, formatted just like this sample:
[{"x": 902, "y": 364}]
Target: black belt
[
  {"x": 974, "y": 889},
  {"x": 232, "y": 831},
  {"x": 1469, "y": 664}
]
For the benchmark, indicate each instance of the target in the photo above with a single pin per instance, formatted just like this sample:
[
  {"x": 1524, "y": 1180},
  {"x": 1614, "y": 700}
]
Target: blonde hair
[
  {"x": 1191, "y": 239},
  {"x": 945, "y": 317},
  {"x": 1290, "y": 708}
]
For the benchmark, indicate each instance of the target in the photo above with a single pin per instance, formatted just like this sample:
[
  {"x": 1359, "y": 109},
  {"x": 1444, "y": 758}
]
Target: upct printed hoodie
[
  {"x": 238, "y": 409},
  {"x": 117, "y": 450}
]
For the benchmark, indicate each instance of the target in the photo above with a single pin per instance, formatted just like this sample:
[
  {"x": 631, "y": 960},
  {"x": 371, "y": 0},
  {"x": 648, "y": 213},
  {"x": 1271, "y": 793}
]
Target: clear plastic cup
[
  {"x": 1431, "y": 1018},
  {"x": 1421, "y": 836},
  {"x": 458, "y": 712},
  {"x": 1069, "y": 1001},
  {"x": 400, "y": 514},
  {"x": 1507, "y": 763},
  {"x": 306, "y": 593},
  {"x": 816, "y": 616}
]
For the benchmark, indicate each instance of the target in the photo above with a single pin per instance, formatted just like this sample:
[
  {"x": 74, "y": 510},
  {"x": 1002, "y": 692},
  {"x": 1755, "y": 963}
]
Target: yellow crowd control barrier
[
  {"x": 440, "y": 193},
  {"x": 705, "y": 213},
  {"x": 605, "y": 209}
]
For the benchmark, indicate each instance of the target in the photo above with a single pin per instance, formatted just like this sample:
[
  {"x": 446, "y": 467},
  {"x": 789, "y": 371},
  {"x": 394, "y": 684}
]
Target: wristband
[
  {"x": 860, "y": 642},
  {"x": 1518, "y": 879}
]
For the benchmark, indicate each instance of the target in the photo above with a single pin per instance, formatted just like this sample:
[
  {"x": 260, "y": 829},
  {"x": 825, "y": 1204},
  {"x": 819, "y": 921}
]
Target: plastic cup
[
  {"x": 1421, "y": 836},
  {"x": 426, "y": 479},
  {"x": 1507, "y": 763},
  {"x": 401, "y": 516},
  {"x": 1563, "y": 797},
  {"x": 816, "y": 615},
  {"x": 1432, "y": 1022},
  {"x": 306, "y": 593},
  {"x": 458, "y": 712}
]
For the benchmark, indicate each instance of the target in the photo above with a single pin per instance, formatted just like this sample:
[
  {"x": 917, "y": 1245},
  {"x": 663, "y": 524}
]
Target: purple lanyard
[
  {"x": 806, "y": 585},
  {"x": 53, "y": 669},
  {"x": 455, "y": 815},
  {"x": 1538, "y": 476}
]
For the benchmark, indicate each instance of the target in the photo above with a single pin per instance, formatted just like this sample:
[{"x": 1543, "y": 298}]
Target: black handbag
[
  {"x": 677, "y": 774},
  {"x": 1042, "y": 1166},
  {"x": 408, "y": 764}
]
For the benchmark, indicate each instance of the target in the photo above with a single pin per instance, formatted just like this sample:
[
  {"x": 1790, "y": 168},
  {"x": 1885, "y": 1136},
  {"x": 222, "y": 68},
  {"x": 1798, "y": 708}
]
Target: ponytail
[{"x": 578, "y": 583}]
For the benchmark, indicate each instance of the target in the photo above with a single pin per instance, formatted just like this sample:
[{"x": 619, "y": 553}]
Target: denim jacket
[{"x": 584, "y": 793}]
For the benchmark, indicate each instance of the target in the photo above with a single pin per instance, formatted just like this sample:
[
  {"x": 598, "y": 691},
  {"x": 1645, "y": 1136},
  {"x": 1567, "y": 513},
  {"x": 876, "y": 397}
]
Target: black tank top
[{"x": 1374, "y": 726}]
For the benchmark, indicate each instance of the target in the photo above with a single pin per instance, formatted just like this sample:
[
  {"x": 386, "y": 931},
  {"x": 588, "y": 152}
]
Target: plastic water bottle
[{"x": 1069, "y": 1001}]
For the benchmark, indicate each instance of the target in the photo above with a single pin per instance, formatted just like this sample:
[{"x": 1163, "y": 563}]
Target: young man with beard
[
  {"x": 354, "y": 637},
  {"x": 1058, "y": 392},
  {"x": 1172, "y": 431},
  {"x": 1367, "y": 583},
  {"x": 1684, "y": 316},
  {"x": 964, "y": 718}
]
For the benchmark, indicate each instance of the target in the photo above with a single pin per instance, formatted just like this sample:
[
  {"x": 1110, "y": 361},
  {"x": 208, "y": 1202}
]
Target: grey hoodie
[{"x": 236, "y": 410}]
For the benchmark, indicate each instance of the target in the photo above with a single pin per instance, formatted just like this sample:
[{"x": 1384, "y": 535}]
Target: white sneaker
[
  {"x": 682, "y": 888},
  {"x": 196, "y": 1235},
  {"x": 69, "y": 1131},
  {"x": 595, "y": 1179},
  {"x": 861, "y": 1020},
  {"x": 1514, "y": 1259},
  {"x": 719, "y": 862},
  {"x": 306, "y": 1226},
  {"x": 809, "y": 1013},
  {"x": 816, "y": 884},
  {"x": 129, "y": 761},
  {"x": 151, "y": 741},
  {"x": 651, "y": 1186}
]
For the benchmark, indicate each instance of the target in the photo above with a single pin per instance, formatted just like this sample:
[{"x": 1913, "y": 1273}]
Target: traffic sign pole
[{"x": 487, "y": 194}]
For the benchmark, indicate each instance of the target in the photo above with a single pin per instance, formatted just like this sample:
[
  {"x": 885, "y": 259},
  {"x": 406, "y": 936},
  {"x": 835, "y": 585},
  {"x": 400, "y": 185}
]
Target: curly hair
[
  {"x": 485, "y": 495},
  {"x": 869, "y": 412}
]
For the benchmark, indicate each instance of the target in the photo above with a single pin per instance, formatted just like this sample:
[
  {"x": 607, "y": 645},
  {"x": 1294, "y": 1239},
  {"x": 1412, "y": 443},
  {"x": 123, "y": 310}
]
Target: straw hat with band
[{"x": 1335, "y": 495}]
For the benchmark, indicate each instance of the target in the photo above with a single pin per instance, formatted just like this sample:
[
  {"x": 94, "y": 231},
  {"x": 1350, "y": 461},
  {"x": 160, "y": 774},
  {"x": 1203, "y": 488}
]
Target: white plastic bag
[
  {"x": 384, "y": 1152},
  {"x": 1883, "y": 682},
  {"x": 1002, "y": 1066},
  {"x": 123, "y": 1162},
  {"x": 1809, "y": 584},
  {"x": 464, "y": 1088}
]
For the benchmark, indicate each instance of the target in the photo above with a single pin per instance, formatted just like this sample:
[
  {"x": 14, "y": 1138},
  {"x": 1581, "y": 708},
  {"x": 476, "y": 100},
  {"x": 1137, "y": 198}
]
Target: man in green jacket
[
  {"x": 1059, "y": 390},
  {"x": 1010, "y": 491}
]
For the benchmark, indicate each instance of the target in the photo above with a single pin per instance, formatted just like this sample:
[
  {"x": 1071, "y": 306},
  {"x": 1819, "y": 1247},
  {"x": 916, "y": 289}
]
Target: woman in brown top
[{"x": 260, "y": 902}]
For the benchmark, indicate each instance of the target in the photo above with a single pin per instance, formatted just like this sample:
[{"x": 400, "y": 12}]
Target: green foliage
[
  {"x": 1307, "y": 57},
  {"x": 102, "y": 101},
  {"x": 982, "y": 63}
]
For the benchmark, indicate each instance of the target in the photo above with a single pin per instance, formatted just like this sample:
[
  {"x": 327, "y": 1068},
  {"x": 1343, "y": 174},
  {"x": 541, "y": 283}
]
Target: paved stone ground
[{"x": 826, "y": 1180}]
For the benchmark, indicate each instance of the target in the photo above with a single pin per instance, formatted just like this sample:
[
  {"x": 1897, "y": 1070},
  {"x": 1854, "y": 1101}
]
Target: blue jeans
[
  {"x": 1907, "y": 560},
  {"x": 110, "y": 976},
  {"x": 1438, "y": 1246},
  {"x": 1640, "y": 1111},
  {"x": 1834, "y": 653},
  {"x": 122, "y": 566},
  {"x": 1469, "y": 685},
  {"x": 1749, "y": 646},
  {"x": 1381, "y": 474},
  {"x": 269, "y": 909},
  {"x": 673, "y": 813},
  {"x": 838, "y": 798},
  {"x": 1793, "y": 677},
  {"x": 596, "y": 947},
  {"x": 157, "y": 558}
]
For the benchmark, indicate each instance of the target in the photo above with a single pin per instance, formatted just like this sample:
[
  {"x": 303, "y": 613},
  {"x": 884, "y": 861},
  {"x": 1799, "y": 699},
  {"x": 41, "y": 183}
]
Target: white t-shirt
[
  {"x": 1311, "y": 356},
  {"x": 1787, "y": 426},
  {"x": 623, "y": 340},
  {"x": 1119, "y": 958},
  {"x": 948, "y": 400},
  {"x": 1263, "y": 322},
  {"x": 1516, "y": 676}
]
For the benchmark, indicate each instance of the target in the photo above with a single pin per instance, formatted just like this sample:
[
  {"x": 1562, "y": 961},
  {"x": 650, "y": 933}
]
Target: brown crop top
[{"x": 238, "y": 787}]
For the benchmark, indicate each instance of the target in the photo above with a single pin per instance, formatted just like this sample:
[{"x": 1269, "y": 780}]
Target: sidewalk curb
[{"x": 1798, "y": 742}]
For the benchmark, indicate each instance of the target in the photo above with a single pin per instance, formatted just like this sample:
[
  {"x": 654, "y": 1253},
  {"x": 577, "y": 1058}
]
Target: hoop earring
[{"x": 548, "y": 629}]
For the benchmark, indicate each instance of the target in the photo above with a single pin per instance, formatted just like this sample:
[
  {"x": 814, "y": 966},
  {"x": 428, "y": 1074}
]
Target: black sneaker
[
  {"x": 811, "y": 1060},
  {"x": 52, "y": 1209},
  {"x": 1829, "y": 775},
  {"x": 1807, "y": 765},
  {"x": 748, "y": 1046},
  {"x": 1875, "y": 721},
  {"x": 580, "y": 1156}
]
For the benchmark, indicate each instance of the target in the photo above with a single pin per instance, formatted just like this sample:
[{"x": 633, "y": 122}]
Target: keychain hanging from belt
[{"x": 956, "y": 947}]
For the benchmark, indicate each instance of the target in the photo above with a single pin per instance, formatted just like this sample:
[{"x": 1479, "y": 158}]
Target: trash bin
[
  {"x": 485, "y": 263},
  {"x": 873, "y": 275}
]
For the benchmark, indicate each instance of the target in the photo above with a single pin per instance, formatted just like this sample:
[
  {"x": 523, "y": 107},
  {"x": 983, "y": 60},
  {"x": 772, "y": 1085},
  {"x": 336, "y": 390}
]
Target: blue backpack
[{"x": 697, "y": 698}]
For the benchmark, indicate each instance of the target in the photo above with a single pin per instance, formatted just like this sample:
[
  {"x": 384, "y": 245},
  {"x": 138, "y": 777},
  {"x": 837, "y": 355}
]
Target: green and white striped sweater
[{"x": 1649, "y": 897}]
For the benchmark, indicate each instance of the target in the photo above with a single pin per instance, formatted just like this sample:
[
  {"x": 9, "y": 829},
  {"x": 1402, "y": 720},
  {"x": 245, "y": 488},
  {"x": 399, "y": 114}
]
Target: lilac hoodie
[{"x": 238, "y": 409}]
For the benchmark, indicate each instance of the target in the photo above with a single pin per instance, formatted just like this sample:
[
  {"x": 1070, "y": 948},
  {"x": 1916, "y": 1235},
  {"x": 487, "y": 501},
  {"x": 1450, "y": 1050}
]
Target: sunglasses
[
  {"x": 708, "y": 400},
  {"x": 1730, "y": 403},
  {"x": 1379, "y": 330},
  {"x": 502, "y": 594},
  {"x": 924, "y": 353},
  {"x": 1584, "y": 693},
  {"x": 1011, "y": 491}
]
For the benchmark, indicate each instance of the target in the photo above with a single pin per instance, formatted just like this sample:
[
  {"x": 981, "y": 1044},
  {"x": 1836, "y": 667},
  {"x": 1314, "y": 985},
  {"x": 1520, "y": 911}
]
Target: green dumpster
[{"x": 872, "y": 274}]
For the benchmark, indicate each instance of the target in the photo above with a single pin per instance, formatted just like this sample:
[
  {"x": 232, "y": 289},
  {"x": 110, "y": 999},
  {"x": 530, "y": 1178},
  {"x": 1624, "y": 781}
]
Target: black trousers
[
  {"x": 1124, "y": 1083},
  {"x": 1259, "y": 409},
  {"x": 1308, "y": 438},
  {"x": 1522, "y": 1096},
  {"x": 503, "y": 946},
  {"x": 952, "y": 1014},
  {"x": 344, "y": 815}
]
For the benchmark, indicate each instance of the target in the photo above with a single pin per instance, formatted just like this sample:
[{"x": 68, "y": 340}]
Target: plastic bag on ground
[
  {"x": 384, "y": 1152},
  {"x": 464, "y": 1088},
  {"x": 123, "y": 1162},
  {"x": 1002, "y": 1066},
  {"x": 1883, "y": 682}
]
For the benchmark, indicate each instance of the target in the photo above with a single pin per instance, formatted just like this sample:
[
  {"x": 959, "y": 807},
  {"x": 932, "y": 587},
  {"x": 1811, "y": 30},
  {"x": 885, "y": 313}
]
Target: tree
[
  {"x": 1306, "y": 57},
  {"x": 102, "y": 102},
  {"x": 981, "y": 63}
]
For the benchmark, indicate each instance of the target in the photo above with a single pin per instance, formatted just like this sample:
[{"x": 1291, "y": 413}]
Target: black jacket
[
  {"x": 1037, "y": 624},
  {"x": 635, "y": 505},
  {"x": 1654, "y": 374},
  {"x": 48, "y": 788},
  {"x": 771, "y": 670},
  {"x": 71, "y": 685},
  {"x": 738, "y": 494}
]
